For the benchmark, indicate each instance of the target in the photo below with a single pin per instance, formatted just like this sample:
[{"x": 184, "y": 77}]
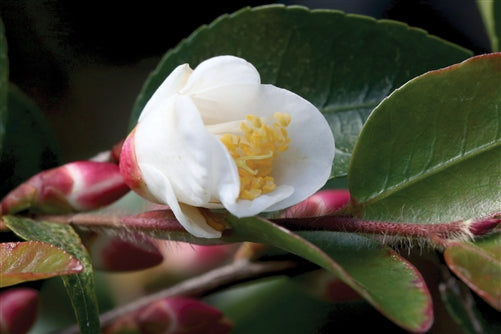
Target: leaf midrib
[{"x": 388, "y": 191}]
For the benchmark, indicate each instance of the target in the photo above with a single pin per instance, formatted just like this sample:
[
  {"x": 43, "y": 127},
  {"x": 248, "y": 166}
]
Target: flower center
[{"x": 255, "y": 150}]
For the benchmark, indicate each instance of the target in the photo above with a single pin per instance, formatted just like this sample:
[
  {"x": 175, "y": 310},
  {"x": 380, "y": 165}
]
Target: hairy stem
[
  {"x": 350, "y": 224},
  {"x": 231, "y": 274},
  {"x": 162, "y": 224}
]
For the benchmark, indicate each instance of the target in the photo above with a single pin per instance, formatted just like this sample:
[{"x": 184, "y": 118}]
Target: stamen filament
[{"x": 242, "y": 162}]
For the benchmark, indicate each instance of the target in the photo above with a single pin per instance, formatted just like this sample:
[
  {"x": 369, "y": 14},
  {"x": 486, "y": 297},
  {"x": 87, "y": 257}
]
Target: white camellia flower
[{"x": 215, "y": 137}]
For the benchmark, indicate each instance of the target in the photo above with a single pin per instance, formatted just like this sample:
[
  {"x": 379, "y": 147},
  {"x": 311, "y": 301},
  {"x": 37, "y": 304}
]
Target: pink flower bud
[
  {"x": 18, "y": 310},
  {"x": 77, "y": 186},
  {"x": 133, "y": 251},
  {"x": 185, "y": 259},
  {"x": 175, "y": 315},
  {"x": 484, "y": 226},
  {"x": 320, "y": 204}
]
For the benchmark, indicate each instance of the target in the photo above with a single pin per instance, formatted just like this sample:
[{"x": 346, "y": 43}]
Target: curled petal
[
  {"x": 174, "y": 82},
  {"x": 189, "y": 216}
]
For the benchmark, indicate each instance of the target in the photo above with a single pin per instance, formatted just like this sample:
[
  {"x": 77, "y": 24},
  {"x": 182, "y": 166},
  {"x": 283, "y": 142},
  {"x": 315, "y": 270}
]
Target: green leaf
[
  {"x": 34, "y": 260},
  {"x": 491, "y": 245},
  {"x": 430, "y": 152},
  {"x": 490, "y": 11},
  {"x": 4, "y": 80},
  {"x": 383, "y": 278},
  {"x": 478, "y": 267},
  {"x": 80, "y": 287},
  {"x": 396, "y": 288},
  {"x": 259, "y": 307},
  {"x": 29, "y": 146},
  {"x": 344, "y": 64}
]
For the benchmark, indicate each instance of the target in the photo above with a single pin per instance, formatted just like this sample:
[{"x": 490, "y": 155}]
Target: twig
[{"x": 236, "y": 272}]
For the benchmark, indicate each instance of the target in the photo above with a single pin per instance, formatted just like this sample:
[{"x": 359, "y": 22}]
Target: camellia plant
[{"x": 314, "y": 171}]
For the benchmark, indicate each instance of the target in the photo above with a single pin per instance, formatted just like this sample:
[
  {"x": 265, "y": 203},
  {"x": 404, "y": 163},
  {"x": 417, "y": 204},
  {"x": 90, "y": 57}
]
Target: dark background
[{"x": 84, "y": 62}]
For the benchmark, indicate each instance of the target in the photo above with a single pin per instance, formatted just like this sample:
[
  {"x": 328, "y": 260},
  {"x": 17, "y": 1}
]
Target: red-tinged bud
[
  {"x": 77, "y": 186},
  {"x": 18, "y": 310},
  {"x": 130, "y": 169},
  {"x": 484, "y": 226},
  {"x": 175, "y": 315},
  {"x": 132, "y": 251},
  {"x": 320, "y": 204},
  {"x": 185, "y": 259}
]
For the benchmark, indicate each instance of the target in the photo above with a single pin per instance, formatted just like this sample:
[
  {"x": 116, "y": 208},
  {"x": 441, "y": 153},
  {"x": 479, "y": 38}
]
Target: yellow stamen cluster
[{"x": 255, "y": 150}]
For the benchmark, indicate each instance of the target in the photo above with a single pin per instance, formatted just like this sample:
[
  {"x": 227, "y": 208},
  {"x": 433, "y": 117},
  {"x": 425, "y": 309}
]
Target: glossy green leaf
[
  {"x": 478, "y": 267},
  {"x": 383, "y": 278},
  {"x": 259, "y": 307},
  {"x": 396, "y": 287},
  {"x": 80, "y": 287},
  {"x": 344, "y": 64},
  {"x": 431, "y": 151},
  {"x": 29, "y": 145},
  {"x": 34, "y": 260},
  {"x": 491, "y": 15},
  {"x": 4, "y": 80},
  {"x": 491, "y": 244}
]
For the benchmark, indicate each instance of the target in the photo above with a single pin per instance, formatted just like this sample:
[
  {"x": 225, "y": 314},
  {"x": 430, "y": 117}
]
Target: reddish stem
[
  {"x": 350, "y": 224},
  {"x": 163, "y": 221}
]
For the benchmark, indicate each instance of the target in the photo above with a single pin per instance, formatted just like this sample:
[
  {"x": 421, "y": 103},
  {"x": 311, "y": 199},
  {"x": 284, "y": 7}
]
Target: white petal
[
  {"x": 159, "y": 142},
  {"x": 170, "y": 86},
  {"x": 223, "y": 88},
  {"x": 220, "y": 71},
  {"x": 246, "y": 208},
  {"x": 195, "y": 162},
  {"x": 188, "y": 216},
  {"x": 307, "y": 164}
]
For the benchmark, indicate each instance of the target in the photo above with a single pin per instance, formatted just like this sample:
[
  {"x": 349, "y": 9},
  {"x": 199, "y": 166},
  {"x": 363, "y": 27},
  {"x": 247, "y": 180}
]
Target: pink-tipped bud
[
  {"x": 173, "y": 315},
  {"x": 484, "y": 226},
  {"x": 185, "y": 259},
  {"x": 320, "y": 204},
  {"x": 130, "y": 169},
  {"x": 18, "y": 310},
  {"x": 133, "y": 251},
  {"x": 76, "y": 186}
]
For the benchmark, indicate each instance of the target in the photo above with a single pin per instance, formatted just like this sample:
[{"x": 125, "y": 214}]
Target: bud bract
[
  {"x": 76, "y": 186},
  {"x": 175, "y": 315},
  {"x": 322, "y": 203}
]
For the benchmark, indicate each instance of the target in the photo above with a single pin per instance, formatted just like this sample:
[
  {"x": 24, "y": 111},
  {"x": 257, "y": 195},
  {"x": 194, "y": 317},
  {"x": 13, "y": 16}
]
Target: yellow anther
[{"x": 254, "y": 151}]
